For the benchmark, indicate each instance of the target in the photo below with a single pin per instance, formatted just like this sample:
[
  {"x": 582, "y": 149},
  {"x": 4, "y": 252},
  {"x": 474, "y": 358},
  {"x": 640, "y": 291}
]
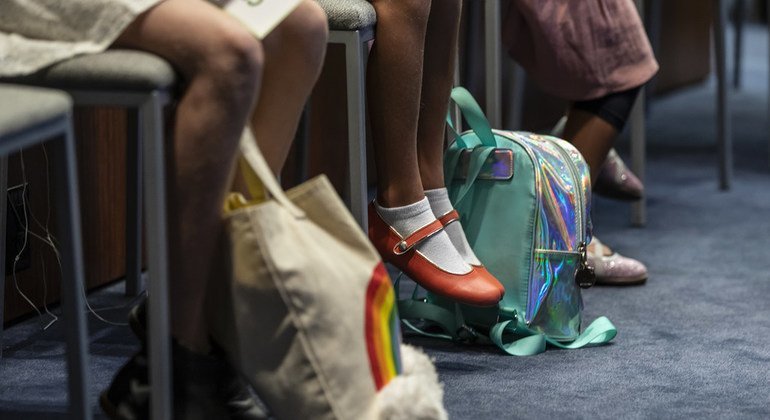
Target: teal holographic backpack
[{"x": 524, "y": 203}]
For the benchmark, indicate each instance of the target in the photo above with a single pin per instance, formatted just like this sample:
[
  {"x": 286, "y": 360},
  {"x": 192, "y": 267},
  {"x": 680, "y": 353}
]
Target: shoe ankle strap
[
  {"x": 450, "y": 217},
  {"x": 417, "y": 236}
]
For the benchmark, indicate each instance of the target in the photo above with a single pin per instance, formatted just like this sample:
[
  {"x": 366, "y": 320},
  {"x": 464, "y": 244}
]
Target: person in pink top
[{"x": 596, "y": 55}]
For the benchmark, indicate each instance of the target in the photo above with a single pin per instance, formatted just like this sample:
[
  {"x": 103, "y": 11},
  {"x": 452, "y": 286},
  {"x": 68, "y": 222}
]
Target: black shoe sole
[
  {"x": 107, "y": 407},
  {"x": 137, "y": 326}
]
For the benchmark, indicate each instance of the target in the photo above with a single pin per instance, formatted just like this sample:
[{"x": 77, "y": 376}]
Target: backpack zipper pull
[{"x": 585, "y": 276}]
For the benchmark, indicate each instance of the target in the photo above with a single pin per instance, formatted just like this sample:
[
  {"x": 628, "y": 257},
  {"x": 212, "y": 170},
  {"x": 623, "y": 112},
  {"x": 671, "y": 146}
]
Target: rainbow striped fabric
[{"x": 383, "y": 335}]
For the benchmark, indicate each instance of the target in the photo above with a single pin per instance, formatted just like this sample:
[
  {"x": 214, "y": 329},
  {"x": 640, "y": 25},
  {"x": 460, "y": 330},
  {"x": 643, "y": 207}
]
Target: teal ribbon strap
[
  {"x": 526, "y": 346},
  {"x": 601, "y": 331}
]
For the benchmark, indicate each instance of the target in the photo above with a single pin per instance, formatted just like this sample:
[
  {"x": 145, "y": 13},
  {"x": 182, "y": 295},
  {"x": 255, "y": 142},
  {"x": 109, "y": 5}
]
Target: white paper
[{"x": 259, "y": 16}]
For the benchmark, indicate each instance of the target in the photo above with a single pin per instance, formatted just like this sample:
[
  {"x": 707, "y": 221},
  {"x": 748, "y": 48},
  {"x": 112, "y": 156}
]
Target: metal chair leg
[
  {"x": 492, "y": 55},
  {"x": 3, "y": 215},
  {"x": 73, "y": 306},
  {"x": 638, "y": 157},
  {"x": 724, "y": 133},
  {"x": 740, "y": 16},
  {"x": 151, "y": 116},
  {"x": 133, "y": 205},
  {"x": 518, "y": 81},
  {"x": 356, "y": 51},
  {"x": 638, "y": 145},
  {"x": 767, "y": 6}
]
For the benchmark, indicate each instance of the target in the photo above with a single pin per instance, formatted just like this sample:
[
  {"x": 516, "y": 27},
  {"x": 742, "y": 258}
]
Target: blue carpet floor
[{"x": 693, "y": 342}]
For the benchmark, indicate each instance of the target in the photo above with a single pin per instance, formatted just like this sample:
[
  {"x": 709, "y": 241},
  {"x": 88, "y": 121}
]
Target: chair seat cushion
[
  {"x": 122, "y": 70},
  {"x": 23, "y": 108},
  {"x": 349, "y": 14}
]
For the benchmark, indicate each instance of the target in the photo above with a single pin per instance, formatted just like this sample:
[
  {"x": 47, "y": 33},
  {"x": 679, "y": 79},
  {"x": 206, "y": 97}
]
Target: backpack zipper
[
  {"x": 581, "y": 198},
  {"x": 585, "y": 276},
  {"x": 555, "y": 251},
  {"x": 538, "y": 193}
]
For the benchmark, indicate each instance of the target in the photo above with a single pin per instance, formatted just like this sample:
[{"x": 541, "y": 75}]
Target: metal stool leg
[
  {"x": 638, "y": 158},
  {"x": 73, "y": 307},
  {"x": 492, "y": 57},
  {"x": 767, "y": 5},
  {"x": 151, "y": 116},
  {"x": 516, "y": 105},
  {"x": 638, "y": 144},
  {"x": 740, "y": 15},
  {"x": 133, "y": 206},
  {"x": 3, "y": 215},
  {"x": 356, "y": 51},
  {"x": 724, "y": 133}
]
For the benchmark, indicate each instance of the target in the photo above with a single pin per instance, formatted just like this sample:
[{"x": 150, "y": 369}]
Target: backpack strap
[
  {"x": 478, "y": 156},
  {"x": 472, "y": 112},
  {"x": 458, "y": 138},
  {"x": 529, "y": 343},
  {"x": 416, "y": 309},
  {"x": 601, "y": 331}
]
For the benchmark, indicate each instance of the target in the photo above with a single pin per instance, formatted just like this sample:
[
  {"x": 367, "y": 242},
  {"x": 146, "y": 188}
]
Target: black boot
[{"x": 204, "y": 386}]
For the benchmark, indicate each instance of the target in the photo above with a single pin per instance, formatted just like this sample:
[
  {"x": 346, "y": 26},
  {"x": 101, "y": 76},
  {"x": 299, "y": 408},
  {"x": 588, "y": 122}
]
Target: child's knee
[
  {"x": 316, "y": 20},
  {"x": 243, "y": 53},
  {"x": 235, "y": 58},
  {"x": 408, "y": 11},
  {"x": 316, "y": 32},
  {"x": 306, "y": 31}
]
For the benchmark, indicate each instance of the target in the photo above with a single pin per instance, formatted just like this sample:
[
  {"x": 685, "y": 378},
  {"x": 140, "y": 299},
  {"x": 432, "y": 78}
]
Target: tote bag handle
[{"x": 259, "y": 177}]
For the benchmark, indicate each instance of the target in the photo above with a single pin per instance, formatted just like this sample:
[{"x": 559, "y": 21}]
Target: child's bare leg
[
  {"x": 294, "y": 54},
  {"x": 394, "y": 81},
  {"x": 398, "y": 67},
  {"x": 222, "y": 68},
  {"x": 592, "y": 136},
  {"x": 438, "y": 77}
]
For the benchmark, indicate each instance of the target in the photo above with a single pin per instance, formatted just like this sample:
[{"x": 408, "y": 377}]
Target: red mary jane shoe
[
  {"x": 454, "y": 216},
  {"x": 471, "y": 288}
]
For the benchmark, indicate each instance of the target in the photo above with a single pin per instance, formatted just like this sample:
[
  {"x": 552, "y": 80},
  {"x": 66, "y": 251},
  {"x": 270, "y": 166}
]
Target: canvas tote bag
[{"x": 309, "y": 316}]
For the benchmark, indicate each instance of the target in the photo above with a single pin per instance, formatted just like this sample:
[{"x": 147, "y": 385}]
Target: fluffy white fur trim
[{"x": 416, "y": 393}]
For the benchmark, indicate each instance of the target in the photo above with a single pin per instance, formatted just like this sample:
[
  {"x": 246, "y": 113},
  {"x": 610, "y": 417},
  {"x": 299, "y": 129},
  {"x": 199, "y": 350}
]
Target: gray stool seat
[
  {"x": 131, "y": 70},
  {"x": 348, "y": 15},
  {"x": 22, "y": 107}
]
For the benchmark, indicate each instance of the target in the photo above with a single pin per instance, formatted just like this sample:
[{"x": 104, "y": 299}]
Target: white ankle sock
[
  {"x": 440, "y": 204},
  {"x": 438, "y": 248}
]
